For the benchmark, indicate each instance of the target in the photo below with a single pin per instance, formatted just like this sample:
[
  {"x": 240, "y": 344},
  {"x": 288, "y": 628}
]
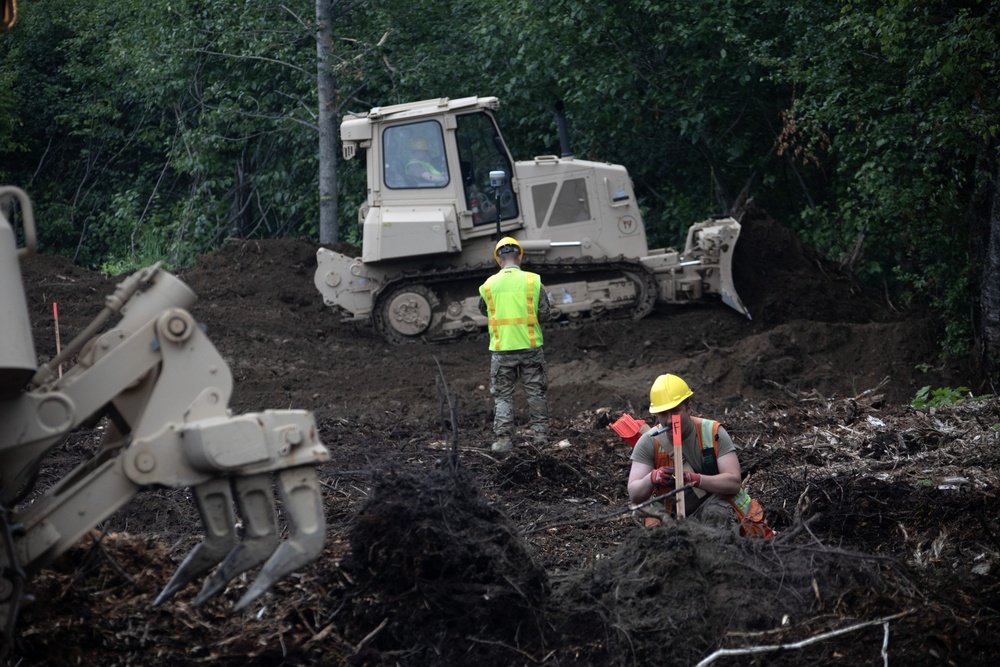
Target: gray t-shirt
[{"x": 645, "y": 452}]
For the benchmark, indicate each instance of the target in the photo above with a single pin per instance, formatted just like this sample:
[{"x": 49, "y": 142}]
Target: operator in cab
[{"x": 420, "y": 168}]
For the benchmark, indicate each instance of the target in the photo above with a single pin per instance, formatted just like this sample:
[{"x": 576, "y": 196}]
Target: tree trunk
[
  {"x": 991, "y": 290},
  {"x": 239, "y": 215},
  {"x": 329, "y": 225}
]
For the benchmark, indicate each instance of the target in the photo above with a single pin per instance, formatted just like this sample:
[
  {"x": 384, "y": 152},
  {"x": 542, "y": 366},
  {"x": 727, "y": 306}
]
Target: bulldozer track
[{"x": 420, "y": 302}]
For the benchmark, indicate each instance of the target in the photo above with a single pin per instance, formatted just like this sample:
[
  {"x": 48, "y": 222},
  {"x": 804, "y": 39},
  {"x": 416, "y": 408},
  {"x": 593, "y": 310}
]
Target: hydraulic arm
[{"x": 162, "y": 390}]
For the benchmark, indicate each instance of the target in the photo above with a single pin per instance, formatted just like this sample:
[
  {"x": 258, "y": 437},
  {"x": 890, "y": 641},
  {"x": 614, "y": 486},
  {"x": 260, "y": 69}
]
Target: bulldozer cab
[
  {"x": 411, "y": 152},
  {"x": 429, "y": 167},
  {"x": 416, "y": 155}
]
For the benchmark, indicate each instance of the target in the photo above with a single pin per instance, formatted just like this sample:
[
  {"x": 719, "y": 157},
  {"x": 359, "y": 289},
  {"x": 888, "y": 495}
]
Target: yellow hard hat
[
  {"x": 667, "y": 392},
  {"x": 506, "y": 242},
  {"x": 419, "y": 144}
]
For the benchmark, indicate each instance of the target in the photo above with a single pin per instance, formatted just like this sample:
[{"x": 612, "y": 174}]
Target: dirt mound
[
  {"x": 780, "y": 280},
  {"x": 662, "y": 589},
  {"x": 445, "y": 575}
]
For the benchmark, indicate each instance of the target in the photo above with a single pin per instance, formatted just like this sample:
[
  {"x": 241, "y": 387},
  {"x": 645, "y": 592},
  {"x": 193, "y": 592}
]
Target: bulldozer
[
  {"x": 145, "y": 375},
  {"x": 443, "y": 188}
]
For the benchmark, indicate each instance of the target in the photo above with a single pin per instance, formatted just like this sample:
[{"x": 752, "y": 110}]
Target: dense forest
[{"x": 154, "y": 131}]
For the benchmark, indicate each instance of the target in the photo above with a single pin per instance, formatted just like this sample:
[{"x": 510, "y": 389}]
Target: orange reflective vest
[
  {"x": 748, "y": 511},
  {"x": 511, "y": 297}
]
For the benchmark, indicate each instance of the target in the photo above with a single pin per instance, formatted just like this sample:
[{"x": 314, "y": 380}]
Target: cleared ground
[{"x": 438, "y": 552}]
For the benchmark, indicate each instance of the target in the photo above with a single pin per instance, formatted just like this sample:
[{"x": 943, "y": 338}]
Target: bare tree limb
[{"x": 752, "y": 650}]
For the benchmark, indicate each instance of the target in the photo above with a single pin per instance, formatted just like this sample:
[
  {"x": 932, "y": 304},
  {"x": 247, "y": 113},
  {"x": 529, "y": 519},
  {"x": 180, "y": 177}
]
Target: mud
[{"x": 439, "y": 552}]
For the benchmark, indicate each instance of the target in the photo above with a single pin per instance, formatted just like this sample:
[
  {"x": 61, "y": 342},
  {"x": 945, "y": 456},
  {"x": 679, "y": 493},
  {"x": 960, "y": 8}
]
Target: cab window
[
  {"x": 414, "y": 156},
  {"x": 480, "y": 151}
]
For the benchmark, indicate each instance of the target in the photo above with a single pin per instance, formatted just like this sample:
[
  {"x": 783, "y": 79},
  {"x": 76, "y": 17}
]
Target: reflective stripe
[
  {"x": 709, "y": 431},
  {"x": 742, "y": 501},
  {"x": 532, "y": 319}
]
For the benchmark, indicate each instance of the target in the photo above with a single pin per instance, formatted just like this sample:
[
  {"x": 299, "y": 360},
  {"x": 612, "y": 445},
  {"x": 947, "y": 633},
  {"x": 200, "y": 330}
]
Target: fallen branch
[
  {"x": 99, "y": 546},
  {"x": 371, "y": 635},
  {"x": 751, "y": 650},
  {"x": 604, "y": 517}
]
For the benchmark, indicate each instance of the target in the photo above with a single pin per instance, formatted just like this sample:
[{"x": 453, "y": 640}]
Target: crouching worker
[{"x": 711, "y": 465}]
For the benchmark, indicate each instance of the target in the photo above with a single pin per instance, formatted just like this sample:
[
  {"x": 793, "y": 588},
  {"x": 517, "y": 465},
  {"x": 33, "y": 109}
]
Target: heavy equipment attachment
[{"x": 160, "y": 390}]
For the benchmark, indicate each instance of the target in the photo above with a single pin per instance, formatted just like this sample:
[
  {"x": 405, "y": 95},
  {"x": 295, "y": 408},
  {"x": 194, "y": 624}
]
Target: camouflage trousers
[
  {"x": 506, "y": 368},
  {"x": 713, "y": 511}
]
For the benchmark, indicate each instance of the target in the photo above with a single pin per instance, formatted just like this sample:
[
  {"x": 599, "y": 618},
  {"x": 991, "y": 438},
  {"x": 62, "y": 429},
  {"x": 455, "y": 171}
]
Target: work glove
[
  {"x": 692, "y": 478},
  {"x": 662, "y": 476}
]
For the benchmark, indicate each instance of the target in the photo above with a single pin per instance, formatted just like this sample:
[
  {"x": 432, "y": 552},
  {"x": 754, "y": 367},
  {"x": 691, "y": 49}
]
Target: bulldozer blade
[
  {"x": 215, "y": 505},
  {"x": 300, "y": 494},
  {"x": 727, "y": 286},
  {"x": 255, "y": 502}
]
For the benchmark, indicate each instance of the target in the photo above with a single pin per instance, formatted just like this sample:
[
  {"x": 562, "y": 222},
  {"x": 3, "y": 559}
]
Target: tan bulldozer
[{"x": 443, "y": 188}]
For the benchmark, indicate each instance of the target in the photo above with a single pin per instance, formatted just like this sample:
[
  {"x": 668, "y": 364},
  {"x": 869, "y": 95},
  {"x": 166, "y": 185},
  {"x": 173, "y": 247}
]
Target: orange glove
[{"x": 662, "y": 477}]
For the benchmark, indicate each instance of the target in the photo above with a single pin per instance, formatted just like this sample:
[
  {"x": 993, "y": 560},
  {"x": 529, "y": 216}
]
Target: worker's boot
[{"x": 502, "y": 445}]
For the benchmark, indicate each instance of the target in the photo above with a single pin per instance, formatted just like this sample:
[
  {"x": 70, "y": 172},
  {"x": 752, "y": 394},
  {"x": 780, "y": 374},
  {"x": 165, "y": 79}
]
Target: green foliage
[
  {"x": 185, "y": 124},
  {"x": 147, "y": 131},
  {"x": 896, "y": 106},
  {"x": 678, "y": 105},
  {"x": 8, "y": 116},
  {"x": 151, "y": 251},
  {"x": 937, "y": 398}
]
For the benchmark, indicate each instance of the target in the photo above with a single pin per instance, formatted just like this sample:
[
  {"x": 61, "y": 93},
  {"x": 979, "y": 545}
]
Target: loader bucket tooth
[
  {"x": 215, "y": 504},
  {"x": 300, "y": 494},
  {"x": 255, "y": 501}
]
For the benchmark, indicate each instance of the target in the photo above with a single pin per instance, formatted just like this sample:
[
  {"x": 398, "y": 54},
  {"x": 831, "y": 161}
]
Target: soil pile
[
  {"x": 439, "y": 552},
  {"x": 453, "y": 586}
]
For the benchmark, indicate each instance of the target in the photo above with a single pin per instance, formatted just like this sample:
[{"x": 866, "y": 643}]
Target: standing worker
[
  {"x": 711, "y": 465},
  {"x": 515, "y": 303}
]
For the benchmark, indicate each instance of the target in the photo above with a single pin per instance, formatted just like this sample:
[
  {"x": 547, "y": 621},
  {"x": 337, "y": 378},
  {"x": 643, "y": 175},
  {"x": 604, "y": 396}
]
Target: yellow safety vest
[
  {"x": 426, "y": 165},
  {"x": 511, "y": 297}
]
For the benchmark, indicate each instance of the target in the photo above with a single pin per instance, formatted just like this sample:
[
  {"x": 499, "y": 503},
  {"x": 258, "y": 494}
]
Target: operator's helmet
[
  {"x": 667, "y": 392},
  {"x": 419, "y": 144},
  {"x": 507, "y": 245}
]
